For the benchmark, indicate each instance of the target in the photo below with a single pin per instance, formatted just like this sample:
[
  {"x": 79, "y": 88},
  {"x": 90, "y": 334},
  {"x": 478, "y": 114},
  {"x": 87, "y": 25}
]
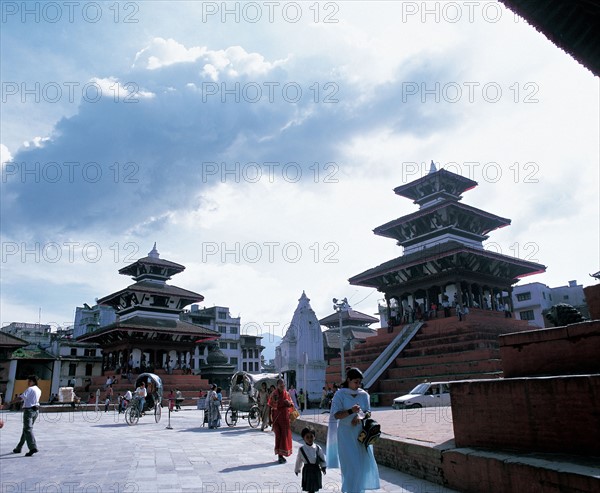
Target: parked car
[{"x": 427, "y": 394}]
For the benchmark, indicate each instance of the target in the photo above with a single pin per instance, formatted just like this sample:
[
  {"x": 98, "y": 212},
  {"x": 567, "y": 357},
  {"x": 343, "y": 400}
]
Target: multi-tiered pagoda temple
[
  {"x": 148, "y": 332},
  {"x": 444, "y": 259}
]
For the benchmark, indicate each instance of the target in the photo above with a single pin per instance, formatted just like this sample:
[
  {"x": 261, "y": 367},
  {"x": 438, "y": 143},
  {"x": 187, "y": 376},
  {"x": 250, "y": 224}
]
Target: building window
[
  {"x": 233, "y": 361},
  {"x": 72, "y": 369},
  {"x": 524, "y": 296},
  {"x": 550, "y": 296},
  {"x": 566, "y": 297},
  {"x": 90, "y": 352},
  {"x": 73, "y": 351},
  {"x": 233, "y": 345},
  {"x": 222, "y": 315},
  {"x": 233, "y": 330},
  {"x": 88, "y": 369},
  {"x": 223, "y": 345},
  {"x": 527, "y": 315},
  {"x": 244, "y": 354},
  {"x": 256, "y": 353},
  {"x": 544, "y": 295},
  {"x": 222, "y": 329},
  {"x": 256, "y": 368},
  {"x": 245, "y": 366}
]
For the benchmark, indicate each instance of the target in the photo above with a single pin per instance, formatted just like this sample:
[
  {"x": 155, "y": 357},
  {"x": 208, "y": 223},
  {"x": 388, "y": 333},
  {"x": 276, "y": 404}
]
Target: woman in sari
[
  {"x": 280, "y": 403},
  {"x": 359, "y": 469},
  {"x": 212, "y": 407}
]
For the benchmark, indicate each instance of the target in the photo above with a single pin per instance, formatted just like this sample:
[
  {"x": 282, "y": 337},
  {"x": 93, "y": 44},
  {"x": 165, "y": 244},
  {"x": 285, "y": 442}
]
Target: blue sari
[{"x": 359, "y": 469}]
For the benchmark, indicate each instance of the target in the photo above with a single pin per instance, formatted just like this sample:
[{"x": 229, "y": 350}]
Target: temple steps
[{"x": 443, "y": 349}]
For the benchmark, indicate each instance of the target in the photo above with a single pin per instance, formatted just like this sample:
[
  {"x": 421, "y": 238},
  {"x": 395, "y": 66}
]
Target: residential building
[
  {"x": 219, "y": 319},
  {"x": 530, "y": 301}
]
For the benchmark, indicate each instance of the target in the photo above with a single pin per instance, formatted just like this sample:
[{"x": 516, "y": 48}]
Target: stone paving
[{"x": 98, "y": 452}]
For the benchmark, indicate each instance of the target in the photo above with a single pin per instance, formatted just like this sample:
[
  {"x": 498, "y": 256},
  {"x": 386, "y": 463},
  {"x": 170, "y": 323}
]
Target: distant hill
[{"x": 270, "y": 342}]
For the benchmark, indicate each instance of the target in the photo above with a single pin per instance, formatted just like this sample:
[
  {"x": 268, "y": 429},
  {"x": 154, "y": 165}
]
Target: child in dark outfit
[{"x": 311, "y": 455}]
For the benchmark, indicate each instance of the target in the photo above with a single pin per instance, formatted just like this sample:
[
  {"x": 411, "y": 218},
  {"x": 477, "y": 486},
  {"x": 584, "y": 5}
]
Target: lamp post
[{"x": 341, "y": 306}]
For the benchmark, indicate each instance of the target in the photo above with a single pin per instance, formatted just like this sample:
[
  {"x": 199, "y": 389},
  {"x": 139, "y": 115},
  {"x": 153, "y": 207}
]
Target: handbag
[
  {"x": 370, "y": 433},
  {"x": 294, "y": 414}
]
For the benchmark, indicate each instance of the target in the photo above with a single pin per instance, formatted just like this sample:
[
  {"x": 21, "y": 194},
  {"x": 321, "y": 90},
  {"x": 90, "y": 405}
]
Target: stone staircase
[{"x": 442, "y": 349}]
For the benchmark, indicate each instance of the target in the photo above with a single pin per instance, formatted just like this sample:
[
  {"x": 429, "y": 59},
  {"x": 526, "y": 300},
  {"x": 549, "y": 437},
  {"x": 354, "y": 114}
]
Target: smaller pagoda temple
[{"x": 148, "y": 333}]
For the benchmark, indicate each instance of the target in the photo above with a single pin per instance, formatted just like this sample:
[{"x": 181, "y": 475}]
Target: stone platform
[{"x": 421, "y": 443}]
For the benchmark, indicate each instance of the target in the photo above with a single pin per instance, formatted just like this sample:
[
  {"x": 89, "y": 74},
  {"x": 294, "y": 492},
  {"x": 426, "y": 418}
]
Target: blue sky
[{"x": 261, "y": 151}]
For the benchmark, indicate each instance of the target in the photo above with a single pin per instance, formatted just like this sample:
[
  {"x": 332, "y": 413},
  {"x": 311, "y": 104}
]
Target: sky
[{"x": 258, "y": 144}]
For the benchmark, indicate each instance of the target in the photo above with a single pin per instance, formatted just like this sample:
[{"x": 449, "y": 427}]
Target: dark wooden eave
[
  {"x": 439, "y": 264},
  {"x": 572, "y": 25}
]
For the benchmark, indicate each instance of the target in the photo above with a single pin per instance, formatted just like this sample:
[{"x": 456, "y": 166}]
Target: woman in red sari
[{"x": 280, "y": 403}]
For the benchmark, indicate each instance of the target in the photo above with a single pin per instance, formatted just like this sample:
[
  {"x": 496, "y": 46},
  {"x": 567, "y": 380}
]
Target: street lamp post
[{"x": 341, "y": 306}]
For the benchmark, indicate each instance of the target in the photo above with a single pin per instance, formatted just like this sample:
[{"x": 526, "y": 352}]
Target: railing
[{"x": 390, "y": 353}]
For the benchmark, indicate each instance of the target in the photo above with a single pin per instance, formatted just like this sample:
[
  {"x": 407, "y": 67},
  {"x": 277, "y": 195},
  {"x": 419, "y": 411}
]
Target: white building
[
  {"x": 242, "y": 351},
  {"x": 530, "y": 300},
  {"x": 300, "y": 355}
]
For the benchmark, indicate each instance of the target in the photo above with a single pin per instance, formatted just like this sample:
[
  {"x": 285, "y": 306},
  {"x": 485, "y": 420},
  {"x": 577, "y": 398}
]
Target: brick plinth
[
  {"x": 473, "y": 471},
  {"x": 592, "y": 298},
  {"x": 558, "y": 414},
  {"x": 574, "y": 350}
]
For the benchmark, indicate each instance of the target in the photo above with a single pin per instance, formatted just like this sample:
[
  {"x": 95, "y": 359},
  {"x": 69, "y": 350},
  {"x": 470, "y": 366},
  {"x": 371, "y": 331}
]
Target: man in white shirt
[
  {"x": 141, "y": 394},
  {"x": 31, "y": 406}
]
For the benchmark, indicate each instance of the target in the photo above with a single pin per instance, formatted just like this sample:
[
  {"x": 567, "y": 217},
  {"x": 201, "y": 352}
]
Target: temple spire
[
  {"x": 154, "y": 252},
  {"x": 433, "y": 169}
]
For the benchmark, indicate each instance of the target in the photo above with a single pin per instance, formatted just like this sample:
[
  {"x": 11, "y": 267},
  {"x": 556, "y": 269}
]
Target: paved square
[{"x": 98, "y": 452}]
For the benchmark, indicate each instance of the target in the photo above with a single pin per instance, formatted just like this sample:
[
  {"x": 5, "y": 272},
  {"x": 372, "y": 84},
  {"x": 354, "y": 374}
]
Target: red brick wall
[
  {"x": 570, "y": 350},
  {"x": 471, "y": 471},
  {"x": 559, "y": 414},
  {"x": 592, "y": 298}
]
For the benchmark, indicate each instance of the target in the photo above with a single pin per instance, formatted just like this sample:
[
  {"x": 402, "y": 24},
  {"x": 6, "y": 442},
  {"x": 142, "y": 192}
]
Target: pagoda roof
[
  {"x": 149, "y": 326},
  {"x": 9, "y": 341},
  {"x": 572, "y": 26},
  {"x": 332, "y": 336},
  {"x": 151, "y": 288},
  {"x": 131, "y": 269},
  {"x": 348, "y": 316},
  {"x": 37, "y": 353},
  {"x": 419, "y": 192},
  {"x": 495, "y": 222},
  {"x": 376, "y": 277}
]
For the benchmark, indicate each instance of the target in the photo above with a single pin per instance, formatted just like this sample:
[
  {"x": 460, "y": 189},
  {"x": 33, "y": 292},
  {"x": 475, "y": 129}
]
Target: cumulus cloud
[
  {"x": 150, "y": 156},
  {"x": 164, "y": 52},
  {"x": 5, "y": 154}
]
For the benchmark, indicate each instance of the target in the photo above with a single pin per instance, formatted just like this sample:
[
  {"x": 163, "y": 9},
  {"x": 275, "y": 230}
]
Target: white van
[{"x": 427, "y": 394}]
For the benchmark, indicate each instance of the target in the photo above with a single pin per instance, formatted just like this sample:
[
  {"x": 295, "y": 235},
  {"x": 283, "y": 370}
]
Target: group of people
[{"x": 350, "y": 405}]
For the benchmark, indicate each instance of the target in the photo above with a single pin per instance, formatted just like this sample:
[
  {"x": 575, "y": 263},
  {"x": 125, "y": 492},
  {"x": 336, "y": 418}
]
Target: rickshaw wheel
[
  {"x": 254, "y": 417},
  {"x": 157, "y": 412},
  {"x": 231, "y": 417},
  {"x": 132, "y": 415}
]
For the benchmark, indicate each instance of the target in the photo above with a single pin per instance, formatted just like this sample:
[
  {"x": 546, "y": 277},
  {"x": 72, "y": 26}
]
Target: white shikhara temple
[{"x": 300, "y": 355}]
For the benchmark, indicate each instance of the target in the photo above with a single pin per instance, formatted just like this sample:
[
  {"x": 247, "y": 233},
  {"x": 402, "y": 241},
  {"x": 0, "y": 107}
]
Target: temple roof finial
[
  {"x": 433, "y": 169},
  {"x": 154, "y": 252}
]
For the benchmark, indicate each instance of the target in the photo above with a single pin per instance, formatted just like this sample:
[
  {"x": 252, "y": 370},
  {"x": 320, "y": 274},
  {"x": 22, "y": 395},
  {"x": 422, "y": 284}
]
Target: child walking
[{"x": 311, "y": 455}]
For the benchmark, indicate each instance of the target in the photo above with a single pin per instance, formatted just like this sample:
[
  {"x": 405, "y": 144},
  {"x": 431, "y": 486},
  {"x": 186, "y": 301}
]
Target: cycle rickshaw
[
  {"x": 153, "y": 404},
  {"x": 243, "y": 393}
]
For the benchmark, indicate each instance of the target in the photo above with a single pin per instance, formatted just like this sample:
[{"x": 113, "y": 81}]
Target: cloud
[
  {"x": 164, "y": 52},
  {"x": 234, "y": 61},
  {"x": 133, "y": 162}
]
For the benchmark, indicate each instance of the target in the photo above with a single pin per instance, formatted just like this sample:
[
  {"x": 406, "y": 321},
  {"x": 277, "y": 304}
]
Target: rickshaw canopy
[
  {"x": 244, "y": 387},
  {"x": 153, "y": 382}
]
